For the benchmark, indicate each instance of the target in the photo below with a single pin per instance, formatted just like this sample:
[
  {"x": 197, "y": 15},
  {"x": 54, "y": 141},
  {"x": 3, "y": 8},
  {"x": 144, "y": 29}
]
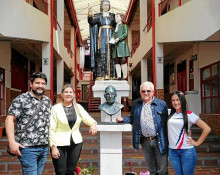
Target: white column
[
  {"x": 60, "y": 19},
  {"x": 46, "y": 62},
  {"x": 159, "y": 66},
  {"x": 156, "y": 7},
  {"x": 144, "y": 73},
  {"x": 72, "y": 36},
  {"x": 143, "y": 19},
  {"x": 60, "y": 75}
]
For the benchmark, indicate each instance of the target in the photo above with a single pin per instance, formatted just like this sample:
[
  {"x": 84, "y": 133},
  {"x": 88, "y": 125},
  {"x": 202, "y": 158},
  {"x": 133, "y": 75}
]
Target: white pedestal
[
  {"x": 111, "y": 147},
  {"x": 122, "y": 88}
]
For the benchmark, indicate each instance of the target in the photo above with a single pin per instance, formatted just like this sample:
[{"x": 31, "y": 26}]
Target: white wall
[
  {"x": 195, "y": 20},
  {"x": 208, "y": 53},
  {"x": 19, "y": 19}
]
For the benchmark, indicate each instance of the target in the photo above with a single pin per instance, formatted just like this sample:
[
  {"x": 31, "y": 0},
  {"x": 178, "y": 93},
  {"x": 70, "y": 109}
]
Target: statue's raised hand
[{"x": 89, "y": 11}]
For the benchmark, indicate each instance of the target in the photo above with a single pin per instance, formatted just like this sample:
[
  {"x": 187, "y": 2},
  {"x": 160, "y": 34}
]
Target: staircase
[
  {"x": 93, "y": 103},
  {"x": 208, "y": 154}
]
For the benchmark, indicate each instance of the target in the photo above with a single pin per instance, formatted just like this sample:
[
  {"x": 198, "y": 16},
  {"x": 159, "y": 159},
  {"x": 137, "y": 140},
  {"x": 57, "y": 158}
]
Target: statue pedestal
[
  {"x": 111, "y": 147},
  {"x": 110, "y": 131},
  {"x": 122, "y": 88}
]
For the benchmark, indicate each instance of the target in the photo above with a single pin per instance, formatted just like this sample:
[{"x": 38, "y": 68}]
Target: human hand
[
  {"x": 14, "y": 148},
  {"x": 55, "y": 152},
  {"x": 93, "y": 129},
  {"x": 119, "y": 119},
  {"x": 190, "y": 141},
  {"x": 116, "y": 40},
  {"x": 89, "y": 11}
]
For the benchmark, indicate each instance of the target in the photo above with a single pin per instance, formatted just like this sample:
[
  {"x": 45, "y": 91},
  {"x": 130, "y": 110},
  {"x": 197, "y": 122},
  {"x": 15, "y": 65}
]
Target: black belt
[{"x": 151, "y": 138}]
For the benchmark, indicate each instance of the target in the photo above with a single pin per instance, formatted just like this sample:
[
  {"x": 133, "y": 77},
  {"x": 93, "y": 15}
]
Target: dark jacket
[
  {"x": 121, "y": 49},
  {"x": 159, "y": 112}
]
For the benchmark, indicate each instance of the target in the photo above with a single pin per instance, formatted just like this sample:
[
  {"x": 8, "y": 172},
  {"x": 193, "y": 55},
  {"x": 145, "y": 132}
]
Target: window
[
  {"x": 210, "y": 89},
  {"x": 2, "y": 91}
]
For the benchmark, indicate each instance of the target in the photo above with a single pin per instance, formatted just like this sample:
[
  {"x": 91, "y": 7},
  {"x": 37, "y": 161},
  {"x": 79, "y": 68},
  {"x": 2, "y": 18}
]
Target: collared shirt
[
  {"x": 23, "y": 107},
  {"x": 147, "y": 122}
]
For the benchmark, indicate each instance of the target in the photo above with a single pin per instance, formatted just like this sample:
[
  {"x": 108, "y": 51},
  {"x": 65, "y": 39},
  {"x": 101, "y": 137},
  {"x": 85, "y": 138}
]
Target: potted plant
[{"x": 85, "y": 171}]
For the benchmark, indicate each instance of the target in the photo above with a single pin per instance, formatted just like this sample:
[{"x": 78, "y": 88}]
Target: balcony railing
[
  {"x": 164, "y": 6},
  {"x": 56, "y": 23},
  {"x": 135, "y": 45},
  {"x": 67, "y": 45},
  {"x": 41, "y": 5},
  {"x": 149, "y": 23}
]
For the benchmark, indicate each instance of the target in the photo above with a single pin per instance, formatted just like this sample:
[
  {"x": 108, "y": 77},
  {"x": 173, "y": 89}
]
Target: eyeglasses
[{"x": 144, "y": 91}]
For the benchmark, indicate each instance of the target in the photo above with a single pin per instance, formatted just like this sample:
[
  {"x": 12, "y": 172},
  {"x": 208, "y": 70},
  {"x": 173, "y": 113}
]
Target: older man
[{"x": 148, "y": 117}]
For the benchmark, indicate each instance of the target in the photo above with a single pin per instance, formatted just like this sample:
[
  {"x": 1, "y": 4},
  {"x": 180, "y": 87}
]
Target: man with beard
[{"x": 30, "y": 111}]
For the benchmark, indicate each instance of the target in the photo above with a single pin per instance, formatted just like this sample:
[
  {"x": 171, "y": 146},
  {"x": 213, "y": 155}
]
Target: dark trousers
[
  {"x": 69, "y": 156},
  {"x": 157, "y": 163}
]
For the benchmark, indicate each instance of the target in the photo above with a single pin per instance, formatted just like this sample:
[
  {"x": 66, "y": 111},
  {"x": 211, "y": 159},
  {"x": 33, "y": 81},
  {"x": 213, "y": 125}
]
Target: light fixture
[{"x": 130, "y": 68}]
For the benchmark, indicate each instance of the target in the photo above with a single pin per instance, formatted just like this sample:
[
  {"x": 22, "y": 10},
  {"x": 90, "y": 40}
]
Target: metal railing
[
  {"x": 43, "y": 8},
  {"x": 164, "y": 6},
  {"x": 135, "y": 45},
  {"x": 56, "y": 23},
  {"x": 67, "y": 45},
  {"x": 149, "y": 23}
]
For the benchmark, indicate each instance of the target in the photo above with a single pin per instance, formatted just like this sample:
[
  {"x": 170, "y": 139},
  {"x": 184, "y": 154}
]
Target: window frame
[
  {"x": 2, "y": 98},
  {"x": 209, "y": 80}
]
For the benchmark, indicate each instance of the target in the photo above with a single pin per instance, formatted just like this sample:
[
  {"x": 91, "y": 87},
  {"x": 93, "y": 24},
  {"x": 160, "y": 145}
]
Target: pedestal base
[{"x": 111, "y": 147}]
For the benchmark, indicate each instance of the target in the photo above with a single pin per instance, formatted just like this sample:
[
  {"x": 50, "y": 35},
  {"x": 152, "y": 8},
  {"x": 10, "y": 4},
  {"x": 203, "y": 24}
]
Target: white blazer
[{"x": 60, "y": 132}]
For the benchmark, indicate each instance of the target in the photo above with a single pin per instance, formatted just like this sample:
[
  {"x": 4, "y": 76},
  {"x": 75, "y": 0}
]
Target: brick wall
[{"x": 213, "y": 120}]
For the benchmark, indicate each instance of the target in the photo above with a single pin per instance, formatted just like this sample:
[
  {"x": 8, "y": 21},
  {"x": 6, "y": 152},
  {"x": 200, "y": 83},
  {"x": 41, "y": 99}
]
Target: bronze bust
[{"x": 110, "y": 107}]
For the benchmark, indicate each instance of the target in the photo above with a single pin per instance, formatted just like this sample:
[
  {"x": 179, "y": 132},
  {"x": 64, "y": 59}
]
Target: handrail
[
  {"x": 90, "y": 88},
  {"x": 56, "y": 23},
  {"x": 135, "y": 45},
  {"x": 149, "y": 23},
  {"x": 45, "y": 1},
  {"x": 67, "y": 45},
  {"x": 160, "y": 5},
  {"x": 166, "y": 2}
]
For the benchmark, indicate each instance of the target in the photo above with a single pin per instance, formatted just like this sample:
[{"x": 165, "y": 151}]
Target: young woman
[
  {"x": 181, "y": 146},
  {"x": 65, "y": 137}
]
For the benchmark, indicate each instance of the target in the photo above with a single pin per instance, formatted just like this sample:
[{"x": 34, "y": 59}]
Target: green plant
[{"x": 86, "y": 171}]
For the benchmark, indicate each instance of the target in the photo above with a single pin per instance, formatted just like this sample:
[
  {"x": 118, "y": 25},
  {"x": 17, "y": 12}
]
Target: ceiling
[{"x": 81, "y": 7}]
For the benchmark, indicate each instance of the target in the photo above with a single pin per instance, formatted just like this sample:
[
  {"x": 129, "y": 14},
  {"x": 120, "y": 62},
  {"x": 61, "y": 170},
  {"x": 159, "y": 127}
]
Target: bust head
[{"x": 110, "y": 94}]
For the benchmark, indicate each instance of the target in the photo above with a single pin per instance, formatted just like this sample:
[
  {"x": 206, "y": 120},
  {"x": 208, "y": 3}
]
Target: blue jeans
[
  {"x": 183, "y": 160},
  {"x": 33, "y": 159},
  {"x": 157, "y": 163}
]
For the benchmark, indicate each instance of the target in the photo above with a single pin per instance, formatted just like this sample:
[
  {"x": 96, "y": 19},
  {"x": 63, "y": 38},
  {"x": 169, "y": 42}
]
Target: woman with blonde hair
[{"x": 65, "y": 137}]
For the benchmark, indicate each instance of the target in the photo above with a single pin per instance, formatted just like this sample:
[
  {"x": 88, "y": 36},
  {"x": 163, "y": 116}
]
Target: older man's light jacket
[{"x": 60, "y": 131}]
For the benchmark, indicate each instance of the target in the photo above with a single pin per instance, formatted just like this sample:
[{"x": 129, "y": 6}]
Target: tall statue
[
  {"x": 120, "y": 46},
  {"x": 101, "y": 28},
  {"x": 110, "y": 107}
]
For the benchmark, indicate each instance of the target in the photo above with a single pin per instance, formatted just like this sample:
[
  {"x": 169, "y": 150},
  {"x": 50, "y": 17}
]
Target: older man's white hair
[{"x": 147, "y": 83}]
